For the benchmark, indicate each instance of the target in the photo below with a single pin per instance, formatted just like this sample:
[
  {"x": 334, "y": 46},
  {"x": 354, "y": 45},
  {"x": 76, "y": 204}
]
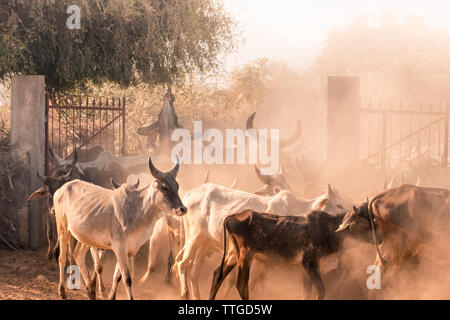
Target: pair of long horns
[
  {"x": 283, "y": 142},
  {"x": 60, "y": 161},
  {"x": 159, "y": 175},
  {"x": 266, "y": 179},
  {"x": 117, "y": 186}
]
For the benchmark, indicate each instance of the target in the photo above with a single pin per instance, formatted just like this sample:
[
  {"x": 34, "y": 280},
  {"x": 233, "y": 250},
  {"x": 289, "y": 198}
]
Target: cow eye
[
  {"x": 339, "y": 207},
  {"x": 164, "y": 188}
]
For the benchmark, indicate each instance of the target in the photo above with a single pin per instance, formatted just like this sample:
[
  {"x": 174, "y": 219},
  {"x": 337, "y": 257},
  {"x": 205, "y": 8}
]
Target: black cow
[
  {"x": 301, "y": 240},
  {"x": 50, "y": 184}
]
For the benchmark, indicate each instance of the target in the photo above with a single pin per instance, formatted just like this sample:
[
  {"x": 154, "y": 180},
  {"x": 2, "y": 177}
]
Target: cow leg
[
  {"x": 71, "y": 249},
  {"x": 195, "y": 272},
  {"x": 49, "y": 232},
  {"x": 116, "y": 279},
  {"x": 184, "y": 265},
  {"x": 151, "y": 259},
  {"x": 97, "y": 255},
  {"x": 243, "y": 276},
  {"x": 101, "y": 253},
  {"x": 121, "y": 257},
  {"x": 218, "y": 278},
  {"x": 131, "y": 264},
  {"x": 229, "y": 284},
  {"x": 311, "y": 266},
  {"x": 307, "y": 286},
  {"x": 80, "y": 260},
  {"x": 63, "y": 240},
  {"x": 170, "y": 262}
]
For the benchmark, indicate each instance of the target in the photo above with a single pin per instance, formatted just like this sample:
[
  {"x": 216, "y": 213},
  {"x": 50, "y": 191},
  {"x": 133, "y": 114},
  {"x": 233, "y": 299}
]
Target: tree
[
  {"x": 396, "y": 56},
  {"x": 124, "y": 42}
]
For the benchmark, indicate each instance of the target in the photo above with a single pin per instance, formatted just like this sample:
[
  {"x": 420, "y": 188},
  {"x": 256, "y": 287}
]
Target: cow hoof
[
  {"x": 62, "y": 293},
  {"x": 185, "y": 296},
  {"x": 91, "y": 295}
]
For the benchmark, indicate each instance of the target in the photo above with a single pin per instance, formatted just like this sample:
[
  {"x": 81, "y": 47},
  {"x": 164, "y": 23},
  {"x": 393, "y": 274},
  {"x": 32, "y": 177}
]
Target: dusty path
[{"x": 27, "y": 274}]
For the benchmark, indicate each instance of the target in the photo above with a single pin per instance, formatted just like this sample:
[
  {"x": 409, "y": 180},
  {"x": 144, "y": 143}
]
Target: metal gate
[
  {"x": 394, "y": 135},
  {"x": 81, "y": 123}
]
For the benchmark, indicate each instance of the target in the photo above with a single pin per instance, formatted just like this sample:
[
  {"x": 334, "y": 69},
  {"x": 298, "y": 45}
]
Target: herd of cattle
[{"x": 89, "y": 211}]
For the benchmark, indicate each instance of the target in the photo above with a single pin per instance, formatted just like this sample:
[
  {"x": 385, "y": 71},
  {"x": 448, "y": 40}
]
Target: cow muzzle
[{"x": 181, "y": 211}]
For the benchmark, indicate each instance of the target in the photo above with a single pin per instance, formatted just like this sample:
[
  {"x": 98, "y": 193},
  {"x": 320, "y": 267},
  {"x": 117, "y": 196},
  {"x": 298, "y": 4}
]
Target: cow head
[
  {"x": 166, "y": 189},
  {"x": 331, "y": 202},
  {"x": 64, "y": 164},
  {"x": 356, "y": 222},
  {"x": 272, "y": 183},
  {"x": 53, "y": 183}
]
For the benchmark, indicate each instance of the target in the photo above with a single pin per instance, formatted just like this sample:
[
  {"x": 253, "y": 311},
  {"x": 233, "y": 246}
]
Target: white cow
[
  {"x": 120, "y": 220},
  {"x": 209, "y": 204}
]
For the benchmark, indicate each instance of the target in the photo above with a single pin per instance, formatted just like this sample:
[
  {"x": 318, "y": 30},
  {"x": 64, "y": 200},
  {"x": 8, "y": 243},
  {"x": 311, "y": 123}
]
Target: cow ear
[
  {"x": 39, "y": 193},
  {"x": 323, "y": 203},
  {"x": 355, "y": 210}
]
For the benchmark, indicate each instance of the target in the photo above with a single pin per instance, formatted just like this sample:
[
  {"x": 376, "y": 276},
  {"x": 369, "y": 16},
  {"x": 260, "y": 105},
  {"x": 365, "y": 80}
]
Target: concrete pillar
[
  {"x": 27, "y": 136},
  {"x": 343, "y": 122}
]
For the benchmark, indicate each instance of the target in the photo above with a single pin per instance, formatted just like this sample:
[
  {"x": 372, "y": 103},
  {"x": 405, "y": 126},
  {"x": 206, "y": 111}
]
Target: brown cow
[
  {"x": 413, "y": 221},
  {"x": 300, "y": 240}
]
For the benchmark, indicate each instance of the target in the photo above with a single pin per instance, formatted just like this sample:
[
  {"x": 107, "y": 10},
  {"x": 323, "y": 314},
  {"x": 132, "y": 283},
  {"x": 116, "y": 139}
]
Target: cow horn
[
  {"x": 418, "y": 181},
  {"x": 331, "y": 190},
  {"x": 114, "y": 184},
  {"x": 68, "y": 174},
  {"x": 250, "y": 121},
  {"x": 280, "y": 172},
  {"x": 155, "y": 172},
  {"x": 206, "y": 178},
  {"x": 40, "y": 177},
  {"x": 266, "y": 179},
  {"x": 57, "y": 159},
  {"x": 136, "y": 185},
  {"x": 233, "y": 184},
  {"x": 294, "y": 137},
  {"x": 385, "y": 185},
  {"x": 176, "y": 167},
  {"x": 161, "y": 175}
]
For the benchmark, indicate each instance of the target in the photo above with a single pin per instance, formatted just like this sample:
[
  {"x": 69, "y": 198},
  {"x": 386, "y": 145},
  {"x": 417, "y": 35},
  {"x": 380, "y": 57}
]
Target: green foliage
[{"x": 120, "y": 41}]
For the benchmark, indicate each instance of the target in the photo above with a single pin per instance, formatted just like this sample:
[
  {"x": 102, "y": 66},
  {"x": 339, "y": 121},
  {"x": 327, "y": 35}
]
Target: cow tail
[
  {"x": 372, "y": 226},
  {"x": 224, "y": 246}
]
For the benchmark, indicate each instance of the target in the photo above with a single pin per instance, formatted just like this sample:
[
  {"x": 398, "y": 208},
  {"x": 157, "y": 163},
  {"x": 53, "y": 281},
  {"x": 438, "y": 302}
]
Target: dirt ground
[{"x": 27, "y": 274}]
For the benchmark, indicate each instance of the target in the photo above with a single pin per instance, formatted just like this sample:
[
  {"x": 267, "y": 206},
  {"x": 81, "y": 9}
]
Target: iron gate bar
[
  {"x": 81, "y": 112},
  {"x": 97, "y": 133},
  {"x": 404, "y": 138}
]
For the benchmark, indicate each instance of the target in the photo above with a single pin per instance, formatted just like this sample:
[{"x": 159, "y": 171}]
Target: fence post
[
  {"x": 446, "y": 124},
  {"x": 383, "y": 141},
  {"x": 27, "y": 135}
]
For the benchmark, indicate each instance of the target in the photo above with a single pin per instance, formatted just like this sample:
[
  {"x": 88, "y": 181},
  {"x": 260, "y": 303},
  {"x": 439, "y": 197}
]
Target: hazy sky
[{"x": 293, "y": 30}]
